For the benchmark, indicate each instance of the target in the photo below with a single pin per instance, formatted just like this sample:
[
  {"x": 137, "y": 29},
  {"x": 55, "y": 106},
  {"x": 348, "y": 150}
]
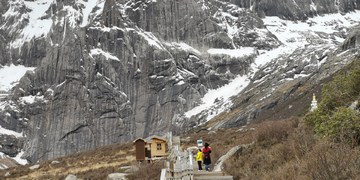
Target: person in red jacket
[{"x": 206, "y": 156}]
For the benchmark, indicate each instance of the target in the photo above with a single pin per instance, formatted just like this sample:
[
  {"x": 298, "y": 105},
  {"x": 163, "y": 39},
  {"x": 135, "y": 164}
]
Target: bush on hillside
[
  {"x": 332, "y": 119},
  {"x": 343, "y": 125},
  {"x": 343, "y": 90},
  {"x": 314, "y": 118},
  {"x": 333, "y": 161},
  {"x": 148, "y": 171},
  {"x": 278, "y": 143},
  {"x": 269, "y": 134}
]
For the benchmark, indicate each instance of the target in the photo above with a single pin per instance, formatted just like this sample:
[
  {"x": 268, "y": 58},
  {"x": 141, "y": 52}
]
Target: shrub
[
  {"x": 343, "y": 89},
  {"x": 147, "y": 171},
  {"x": 332, "y": 119},
  {"x": 339, "y": 92},
  {"x": 271, "y": 134},
  {"x": 333, "y": 161},
  {"x": 313, "y": 118},
  {"x": 342, "y": 125}
]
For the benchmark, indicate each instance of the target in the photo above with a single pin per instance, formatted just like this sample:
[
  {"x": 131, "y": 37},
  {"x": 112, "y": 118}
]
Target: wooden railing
[{"x": 179, "y": 166}]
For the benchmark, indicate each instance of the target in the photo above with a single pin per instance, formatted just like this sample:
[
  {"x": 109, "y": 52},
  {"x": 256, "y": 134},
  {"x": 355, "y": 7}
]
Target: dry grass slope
[
  {"x": 93, "y": 164},
  {"x": 288, "y": 150},
  {"x": 283, "y": 149}
]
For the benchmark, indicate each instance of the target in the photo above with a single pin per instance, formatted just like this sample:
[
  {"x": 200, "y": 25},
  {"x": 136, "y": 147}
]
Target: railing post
[
  {"x": 183, "y": 166},
  {"x": 163, "y": 174}
]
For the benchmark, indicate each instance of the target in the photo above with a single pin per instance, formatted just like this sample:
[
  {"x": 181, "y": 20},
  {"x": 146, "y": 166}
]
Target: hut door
[
  {"x": 148, "y": 152},
  {"x": 140, "y": 150}
]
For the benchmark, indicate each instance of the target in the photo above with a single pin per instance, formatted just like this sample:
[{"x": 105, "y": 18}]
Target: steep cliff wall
[
  {"x": 297, "y": 10},
  {"x": 112, "y": 71},
  {"x": 114, "y": 78}
]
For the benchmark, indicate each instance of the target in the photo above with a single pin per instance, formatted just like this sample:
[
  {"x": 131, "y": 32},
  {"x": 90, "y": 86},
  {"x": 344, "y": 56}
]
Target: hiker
[
  {"x": 199, "y": 159},
  {"x": 206, "y": 156}
]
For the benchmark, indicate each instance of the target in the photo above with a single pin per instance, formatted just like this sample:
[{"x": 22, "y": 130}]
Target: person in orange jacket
[{"x": 199, "y": 159}]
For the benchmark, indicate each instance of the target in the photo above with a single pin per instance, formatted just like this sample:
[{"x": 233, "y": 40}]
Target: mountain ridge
[{"x": 128, "y": 69}]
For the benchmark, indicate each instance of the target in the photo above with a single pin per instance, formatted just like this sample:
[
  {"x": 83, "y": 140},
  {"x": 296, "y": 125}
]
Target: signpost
[{"x": 199, "y": 143}]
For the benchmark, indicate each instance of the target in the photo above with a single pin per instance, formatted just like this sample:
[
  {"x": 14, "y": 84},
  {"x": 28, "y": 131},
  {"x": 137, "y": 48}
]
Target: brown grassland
[
  {"x": 91, "y": 164},
  {"x": 283, "y": 149}
]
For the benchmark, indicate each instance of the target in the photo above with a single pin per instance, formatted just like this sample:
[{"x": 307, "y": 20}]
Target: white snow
[
  {"x": 17, "y": 158},
  {"x": 36, "y": 27},
  {"x": 244, "y": 51},
  {"x": 180, "y": 83},
  {"x": 101, "y": 52},
  {"x": 184, "y": 47},
  {"x": 228, "y": 21},
  {"x": 72, "y": 16},
  {"x": 89, "y": 6},
  {"x": 3, "y": 166},
  {"x": 235, "y": 86},
  {"x": 185, "y": 71},
  {"x": 107, "y": 29},
  {"x": 291, "y": 34},
  {"x": 204, "y": 6},
  {"x": 267, "y": 56},
  {"x": 9, "y": 132},
  {"x": 225, "y": 92},
  {"x": 313, "y": 6},
  {"x": 10, "y": 75},
  {"x": 152, "y": 40},
  {"x": 31, "y": 99}
]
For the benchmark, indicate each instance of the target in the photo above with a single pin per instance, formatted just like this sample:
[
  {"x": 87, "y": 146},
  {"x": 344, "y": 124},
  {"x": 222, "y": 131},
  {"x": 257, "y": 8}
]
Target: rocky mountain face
[
  {"x": 296, "y": 10},
  {"x": 110, "y": 71}
]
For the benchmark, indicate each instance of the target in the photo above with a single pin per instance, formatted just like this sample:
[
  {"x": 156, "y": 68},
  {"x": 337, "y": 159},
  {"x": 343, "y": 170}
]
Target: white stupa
[{"x": 313, "y": 103}]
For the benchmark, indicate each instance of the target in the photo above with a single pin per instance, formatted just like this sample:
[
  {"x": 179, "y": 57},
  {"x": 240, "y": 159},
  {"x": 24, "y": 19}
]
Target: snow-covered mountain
[{"x": 78, "y": 74}]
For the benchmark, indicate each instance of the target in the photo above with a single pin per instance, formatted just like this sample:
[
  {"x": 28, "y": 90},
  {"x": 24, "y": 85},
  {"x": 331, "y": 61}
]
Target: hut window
[{"x": 158, "y": 146}]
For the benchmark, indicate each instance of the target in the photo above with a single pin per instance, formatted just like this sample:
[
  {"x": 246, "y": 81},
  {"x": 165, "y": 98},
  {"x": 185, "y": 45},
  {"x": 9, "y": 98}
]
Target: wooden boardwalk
[
  {"x": 211, "y": 175},
  {"x": 184, "y": 166}
]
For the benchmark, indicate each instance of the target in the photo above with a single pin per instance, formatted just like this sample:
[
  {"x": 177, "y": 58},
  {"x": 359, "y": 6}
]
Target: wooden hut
[
  {"x": 149, "y": 148},
  {"x": 139, "y": 144},
  {"x": 157, "y": 146}
]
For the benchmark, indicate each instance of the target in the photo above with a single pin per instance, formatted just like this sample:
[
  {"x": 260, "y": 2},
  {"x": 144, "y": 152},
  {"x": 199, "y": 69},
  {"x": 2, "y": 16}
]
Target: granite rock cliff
[{"x": 115, "y": 70}]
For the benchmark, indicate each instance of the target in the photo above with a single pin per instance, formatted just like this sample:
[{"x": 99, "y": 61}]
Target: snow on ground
[
  {"x": 184, "y": 47},
  {"x": 234, "y": 87},
  {"x": 9, "y": 132},
  {"x": 39, "y": 27},
  {"x": 107, "y": 29},
  {"x": 36, "y": 27},
  {"x": 72, "y": 16},
  {"x": 18, "y": 159},
  {"x": 152, "y": 40},
  {"x": 228, "y": 21},
  {"x": 244, "y": 51},
  {"x": 89, "y": 6},
  {"x": 31, "y": 99},
  {"x": 3, "y": 166},
  {"x": 267, "y": 56},
  {"x": 101, "y": 52},
  {"x": 10, "y": 75},
  {"x": 222, "y": 93},
  {"x": 292, "y": 33},
  {"x": 288, "y": 32}
]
